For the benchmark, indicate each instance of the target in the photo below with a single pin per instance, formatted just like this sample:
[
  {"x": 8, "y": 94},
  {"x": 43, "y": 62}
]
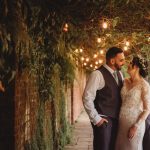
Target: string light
[
  {"x": 95, "y": 67},
  {"x": 101, "y": 52},
  {"x": 91, "y": 65},
  {"x": 105, "y": 25},
  {"x": 76, "y": 50},
  {"x": 87, "y": 59},
  {"x": 65, "y": 27},
  {"x": 96, "y": 62},
  {"x": 85, "y": 64},
  {"x": 125, "y": 48},
  {"x": 82, "y": 58},
  {"x": 127, "y": 43},
  {"x": 99, "y": 40},
  {"x": 95, "y": 55},
  {"x": 100, "y": 61},
  {"x": 81, "y": 50}
]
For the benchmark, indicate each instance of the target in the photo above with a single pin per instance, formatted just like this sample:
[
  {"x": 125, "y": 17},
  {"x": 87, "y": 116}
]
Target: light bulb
[
  {"x": 91, "y": 65},
  {"x": 96, "y": 62},
  {"x": 100, "y": 61},
  {"x": 105, "y": 25},
  {"x": 127, "y": 43},
  {"x": 101, "y": 52},
  {"x": 82, "y": 58},
  {"x": 125, "y": 48},
  {"x": 99, "y": 40},
  {"x": 65, "y": 29},
  {"x": 66, "y": 25},
  {"x": 81, "y": 50},
  {"x": 76, "y": 50},
  {"x": 87, "y": 59},
  {"x": 95, "y": 55},
  {"x": 85, "y": 64}
]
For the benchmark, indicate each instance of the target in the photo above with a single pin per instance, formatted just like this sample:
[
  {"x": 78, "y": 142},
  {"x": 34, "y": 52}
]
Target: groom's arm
[{"x": 94, "y": 83}]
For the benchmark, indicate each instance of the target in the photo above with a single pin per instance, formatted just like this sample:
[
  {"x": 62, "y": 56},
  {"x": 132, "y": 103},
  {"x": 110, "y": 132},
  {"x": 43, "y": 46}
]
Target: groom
[{"x": 102, "y": 100}]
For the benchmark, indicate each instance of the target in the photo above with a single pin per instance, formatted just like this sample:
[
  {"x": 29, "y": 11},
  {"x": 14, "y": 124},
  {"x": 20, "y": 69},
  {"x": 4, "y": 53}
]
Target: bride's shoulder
[{"x": 145, "y": 83}]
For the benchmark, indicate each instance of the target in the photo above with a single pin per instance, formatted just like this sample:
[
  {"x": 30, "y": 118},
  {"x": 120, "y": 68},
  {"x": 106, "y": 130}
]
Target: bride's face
[{"x": 132, "y": 69}]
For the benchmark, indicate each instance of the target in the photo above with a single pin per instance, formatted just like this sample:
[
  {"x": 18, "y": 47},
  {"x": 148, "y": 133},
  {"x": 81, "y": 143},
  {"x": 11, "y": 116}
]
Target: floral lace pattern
[{"x": 134, "y": 111}]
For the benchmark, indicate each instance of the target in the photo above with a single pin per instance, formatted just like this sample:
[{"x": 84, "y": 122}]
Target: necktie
[{"x": 116, "y": 76}]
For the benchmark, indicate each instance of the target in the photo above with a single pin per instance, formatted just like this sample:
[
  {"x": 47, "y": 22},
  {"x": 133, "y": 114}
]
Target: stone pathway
[{"x": 82, "y": 134}]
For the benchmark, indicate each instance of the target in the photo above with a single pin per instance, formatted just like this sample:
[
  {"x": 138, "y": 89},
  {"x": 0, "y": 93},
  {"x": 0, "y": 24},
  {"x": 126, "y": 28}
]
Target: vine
[{"x": 32, "y": 37}]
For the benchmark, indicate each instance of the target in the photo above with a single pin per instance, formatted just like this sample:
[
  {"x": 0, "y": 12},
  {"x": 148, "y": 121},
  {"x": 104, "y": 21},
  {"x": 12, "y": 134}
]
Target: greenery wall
[{"x": 33, "y": 36}]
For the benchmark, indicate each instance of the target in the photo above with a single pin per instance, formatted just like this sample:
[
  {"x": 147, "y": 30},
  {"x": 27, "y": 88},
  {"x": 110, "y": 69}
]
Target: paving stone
[{"x": 82, "y": 134}]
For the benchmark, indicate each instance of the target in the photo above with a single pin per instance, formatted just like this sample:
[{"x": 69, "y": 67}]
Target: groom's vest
[{"x": 108, "y": 99}]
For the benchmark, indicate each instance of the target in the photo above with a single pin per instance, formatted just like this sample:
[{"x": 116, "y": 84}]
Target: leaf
[
  {"x": 127, "y": 2},
  {"x": 115, "y": 21}
]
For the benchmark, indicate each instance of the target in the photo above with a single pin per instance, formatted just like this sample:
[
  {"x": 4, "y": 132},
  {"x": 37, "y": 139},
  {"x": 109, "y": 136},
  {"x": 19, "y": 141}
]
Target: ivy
[{"x": 32, "y": 37}]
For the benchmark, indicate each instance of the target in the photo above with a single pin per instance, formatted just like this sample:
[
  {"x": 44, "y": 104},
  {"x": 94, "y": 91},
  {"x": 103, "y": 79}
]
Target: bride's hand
[{"x": 132, "y": 132}]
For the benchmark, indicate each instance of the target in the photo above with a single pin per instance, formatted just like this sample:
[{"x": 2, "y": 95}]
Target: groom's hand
[{"x": 103, "y": 120}]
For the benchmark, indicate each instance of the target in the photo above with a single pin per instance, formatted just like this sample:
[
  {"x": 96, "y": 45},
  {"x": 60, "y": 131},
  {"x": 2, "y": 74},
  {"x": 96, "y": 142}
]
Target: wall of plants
[{"x": 50, "y": 38}]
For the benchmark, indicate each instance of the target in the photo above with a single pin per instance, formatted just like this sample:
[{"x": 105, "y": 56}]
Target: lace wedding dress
[{"x": 134, "y": 110}]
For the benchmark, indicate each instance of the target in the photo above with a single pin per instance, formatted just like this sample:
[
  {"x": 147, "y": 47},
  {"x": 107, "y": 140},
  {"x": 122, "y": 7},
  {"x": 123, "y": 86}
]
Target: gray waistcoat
[{"x": 108, "y": 99}]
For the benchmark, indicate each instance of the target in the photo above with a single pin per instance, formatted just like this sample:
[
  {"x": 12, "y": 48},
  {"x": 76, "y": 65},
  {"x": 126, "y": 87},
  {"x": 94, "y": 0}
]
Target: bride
[{"x": 135, "y": 107}]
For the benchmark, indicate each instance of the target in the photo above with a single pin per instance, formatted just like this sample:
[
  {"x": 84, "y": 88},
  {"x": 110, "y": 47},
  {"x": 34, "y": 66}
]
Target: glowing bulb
[
  {"x": 85, "y": 64},
  {"x": 95, "y": 67},
  {"x": 95, "y": 55},
  {"x": 82, "y": 58},
  {"x": 96, "y": 62},
  {"x": 99, "y": 40},
  {"x": 91, "y": 65},
  {"x": 101, "y": 52},
  {"x": 125, "y": 48},
  {"x": 81, "y": 50},
  {"x": 127, "y": 43},
  {"x": 105, "y": 25},
  {"x": 148, "y": 39},
  {"x": 100, "y": 61},
  {"x": 76, "y": 50},
  {"x": 66, "y": 25},
  {"x": 65, "y": 29},
  {"x": 87, "y": 59}
]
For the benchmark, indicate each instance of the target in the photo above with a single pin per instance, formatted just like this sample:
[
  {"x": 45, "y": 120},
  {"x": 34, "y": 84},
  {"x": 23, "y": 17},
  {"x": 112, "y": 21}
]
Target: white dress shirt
[{"x": 95, "y": 82}]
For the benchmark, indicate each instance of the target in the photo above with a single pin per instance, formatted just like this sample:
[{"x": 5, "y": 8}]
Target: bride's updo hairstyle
[{"x": 142, "y": 64}]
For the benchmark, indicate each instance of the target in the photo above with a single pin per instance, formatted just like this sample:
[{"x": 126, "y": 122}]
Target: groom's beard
[{"x": 117, "y": 67}]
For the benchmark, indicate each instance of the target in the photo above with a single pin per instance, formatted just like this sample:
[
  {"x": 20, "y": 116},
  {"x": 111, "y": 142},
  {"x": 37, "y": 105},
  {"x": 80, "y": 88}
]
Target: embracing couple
[{"x": 118, "y": 108}]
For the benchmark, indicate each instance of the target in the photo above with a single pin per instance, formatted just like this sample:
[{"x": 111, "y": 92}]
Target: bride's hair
[{"x": 142, "y": 64}]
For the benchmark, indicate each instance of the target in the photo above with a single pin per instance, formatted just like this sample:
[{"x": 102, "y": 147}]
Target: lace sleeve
[{"x": 145, "y": 96}]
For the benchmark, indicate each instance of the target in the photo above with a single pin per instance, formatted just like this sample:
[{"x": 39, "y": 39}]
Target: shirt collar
[{"x": 109, "y": 69}]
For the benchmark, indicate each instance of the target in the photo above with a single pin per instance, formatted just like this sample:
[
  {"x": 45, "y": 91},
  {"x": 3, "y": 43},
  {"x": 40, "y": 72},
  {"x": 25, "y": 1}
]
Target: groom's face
[{"x": 119, "y": 61}]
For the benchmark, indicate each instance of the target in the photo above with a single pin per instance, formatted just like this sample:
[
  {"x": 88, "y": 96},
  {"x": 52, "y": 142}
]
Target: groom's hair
[{"x": 112, "y": 52}]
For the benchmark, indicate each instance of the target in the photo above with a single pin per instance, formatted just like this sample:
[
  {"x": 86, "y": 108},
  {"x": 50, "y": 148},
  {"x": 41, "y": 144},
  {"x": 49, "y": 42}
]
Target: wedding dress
[{"x": 134, "y": 111}]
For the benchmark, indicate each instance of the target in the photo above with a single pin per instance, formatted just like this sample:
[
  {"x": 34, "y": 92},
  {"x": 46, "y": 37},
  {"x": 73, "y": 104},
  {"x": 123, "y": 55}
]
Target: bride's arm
[{"x": 145, "y": 95}]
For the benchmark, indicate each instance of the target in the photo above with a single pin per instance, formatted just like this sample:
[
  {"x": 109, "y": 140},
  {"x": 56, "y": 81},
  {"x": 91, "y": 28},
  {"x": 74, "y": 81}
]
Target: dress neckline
[{"x": 131, "y": 87}]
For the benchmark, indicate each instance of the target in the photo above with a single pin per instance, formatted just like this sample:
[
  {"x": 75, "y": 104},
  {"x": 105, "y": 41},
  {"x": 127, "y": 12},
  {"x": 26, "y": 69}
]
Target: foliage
[
  {"x": 65, "y": 130},
  {"x": 38, "y": 141},
  {"x": 32, "y": 36}
]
